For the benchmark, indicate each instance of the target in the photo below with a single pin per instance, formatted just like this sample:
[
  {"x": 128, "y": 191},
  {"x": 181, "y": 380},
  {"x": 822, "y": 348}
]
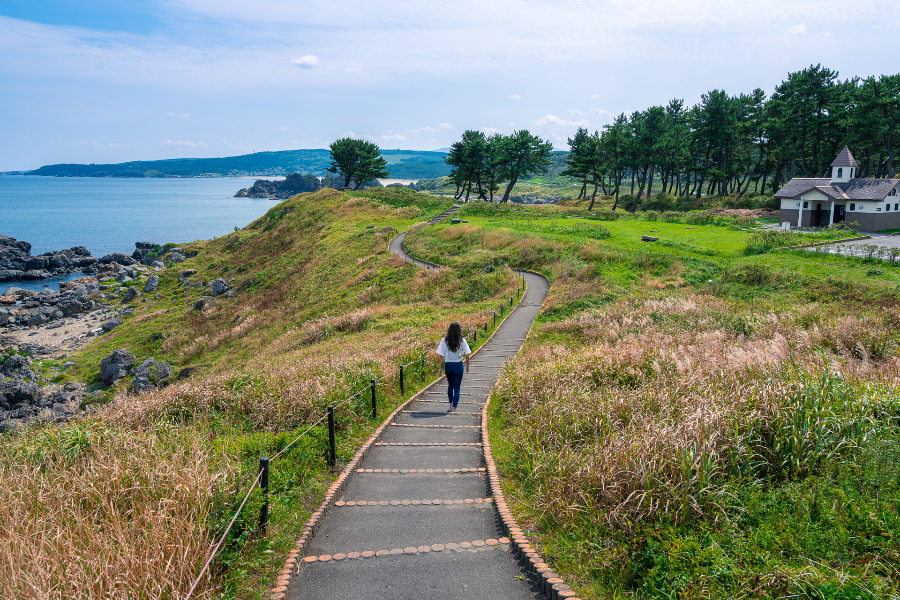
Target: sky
[{"x": 99, "y": 81}]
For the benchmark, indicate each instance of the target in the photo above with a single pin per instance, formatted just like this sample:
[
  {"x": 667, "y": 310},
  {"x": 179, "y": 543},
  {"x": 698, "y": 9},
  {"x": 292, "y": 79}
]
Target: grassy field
[
  {"x": 127, "y": 501},
  {"x": 704, "y": 416},
  {"x": 697, "y": 417}
]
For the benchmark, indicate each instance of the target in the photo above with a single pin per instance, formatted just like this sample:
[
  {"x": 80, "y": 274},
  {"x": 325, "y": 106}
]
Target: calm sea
[{"x": 111, "y": 214}]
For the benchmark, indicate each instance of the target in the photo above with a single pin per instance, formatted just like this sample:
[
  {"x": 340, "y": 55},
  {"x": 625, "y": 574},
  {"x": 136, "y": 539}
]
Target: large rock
[
  {"x": 111, "y": 324},
  {"x": 151, "y": 375},
  {"x": 151, "y": 284},
  {"x": 219, "y": 287},
  {"x": 132, "y": 293},
  {"x": 293, "y": 184},
  {"x": 18, "y": 368},
  {"x": 16, "y": 261},
  {"x": 116, "y": 257},
  {"x": 116, "y": 366},
  {"x": 43, "y": 314},
  {"x": 86, "y": 281},
  {"x": 204, "y": 302}
]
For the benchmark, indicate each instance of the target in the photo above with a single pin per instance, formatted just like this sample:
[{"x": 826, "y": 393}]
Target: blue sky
[{"x": 111, "y": 81}]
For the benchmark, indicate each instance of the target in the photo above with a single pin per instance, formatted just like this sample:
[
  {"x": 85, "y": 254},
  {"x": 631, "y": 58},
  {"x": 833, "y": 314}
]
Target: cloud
[
  {"x": 554, "y": 120},
  {"x": 185, "y": 115},
  {"x": 575, "y": 112},
  {"x": 599, "y": 112},
  {"x": 490, "y": 130},
  {"x": 284, "y": 127},
  {"x": 798, "y": 29},
  {"x": 430, "y": 129},
  {"x": 388, "y": 138},
  {"x": 354, "y": 68},
  {"x": 170, "y": 114},
  {"x": 826, "y": 33},
  {"x": 515, "y": 97},
  {"x": 181, "y": 144},
  {"x": 306, "y": 62},
  {"x": 594, "y": 96}
]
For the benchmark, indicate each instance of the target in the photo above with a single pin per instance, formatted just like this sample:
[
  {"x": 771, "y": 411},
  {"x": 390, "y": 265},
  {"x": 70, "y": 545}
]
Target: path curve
[{"x": 416, "y": 519}]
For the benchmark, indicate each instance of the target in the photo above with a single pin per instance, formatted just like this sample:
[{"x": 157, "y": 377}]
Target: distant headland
[{"x": 403, "y": 164}]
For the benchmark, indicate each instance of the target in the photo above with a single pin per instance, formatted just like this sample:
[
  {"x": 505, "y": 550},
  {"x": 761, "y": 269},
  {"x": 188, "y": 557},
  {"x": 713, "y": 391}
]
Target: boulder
[
  {"x": 18, "y": 368},
  {"x": 19, "y": 293},
  {"x": 43, "y": 314},
  {"x": 111, "y": 324},
  {"x": 14, "y": 394},
  {"x": 116, "y": 366},
  {"x": 151, "y": 284},
  {"x": 219, "y": 287},
  {"x": 151, "y": 375},
  {"x": 116, "y": 257},
  {"x": 132, "y": 293},
  {"x": 65, "y": 286},
  {"x": 203, "y": 302},
  {"x": 177, "y": 257},
  {"x": 187, "y": 273},
  {"x": 4, "y": 317}
]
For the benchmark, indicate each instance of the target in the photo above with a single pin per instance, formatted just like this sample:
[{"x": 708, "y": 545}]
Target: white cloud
[
  {"x": 554, "y": 120},
  {"x": 490, "y": 130},
  {"x": 170, "y": 114},
  {"x": 306, "y": 62},
  {"x": 354, "y": 68},
  {"x": 599, "y": 112},
  {"x": 185, "y": 115},
  {"x": 388, "y": 138},
  {"x": 575, "y": 112},
  {"x": 594, "y": 96},
  {"x": 515, "y": 97},
  {"x": 826, "y": 33},
  {"x": 181, "y": 144},
  {"x": 445, "y": 126},
  {"x": 422, "y": 130},
  {"x": 284, "y": 128},
  {"x": 797, "y": 29}
]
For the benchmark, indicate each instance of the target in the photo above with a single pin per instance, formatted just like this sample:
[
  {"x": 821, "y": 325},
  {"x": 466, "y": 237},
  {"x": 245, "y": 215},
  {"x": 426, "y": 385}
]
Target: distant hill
[{"x": 403, "y": 164}]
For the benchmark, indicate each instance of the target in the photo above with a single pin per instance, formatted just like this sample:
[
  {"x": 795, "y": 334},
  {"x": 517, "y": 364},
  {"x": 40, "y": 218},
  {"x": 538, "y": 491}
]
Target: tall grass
[{"x": 97, "y": 511}]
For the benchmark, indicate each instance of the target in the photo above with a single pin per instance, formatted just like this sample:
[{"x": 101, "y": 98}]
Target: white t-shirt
[{"x": 453, "y": 357}]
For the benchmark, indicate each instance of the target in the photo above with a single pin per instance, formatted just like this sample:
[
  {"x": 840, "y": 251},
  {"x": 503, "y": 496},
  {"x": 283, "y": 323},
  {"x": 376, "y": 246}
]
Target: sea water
[{"x": 111, "y": 214}]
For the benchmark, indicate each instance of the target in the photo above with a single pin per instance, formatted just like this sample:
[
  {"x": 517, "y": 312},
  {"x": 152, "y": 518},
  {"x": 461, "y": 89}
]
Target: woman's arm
[
  {"x": 440, "y": 363},
  {"x": 467, "y": 363}
]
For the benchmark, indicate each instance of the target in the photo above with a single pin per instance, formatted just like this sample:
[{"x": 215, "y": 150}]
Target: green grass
[{"x": 826, "y": 528}]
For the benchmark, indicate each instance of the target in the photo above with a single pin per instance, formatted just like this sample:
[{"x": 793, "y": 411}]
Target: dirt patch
[{"x": 63, "y": 337}]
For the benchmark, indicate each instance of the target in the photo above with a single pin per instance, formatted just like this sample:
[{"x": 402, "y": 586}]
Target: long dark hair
[{"x": 453, "y": 339}]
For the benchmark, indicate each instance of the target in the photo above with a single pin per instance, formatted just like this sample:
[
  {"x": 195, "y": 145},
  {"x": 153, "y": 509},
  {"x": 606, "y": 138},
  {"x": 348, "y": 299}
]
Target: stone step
[
  {"x": 453, "y": 486},
  {"x": 423, "y": 457}
]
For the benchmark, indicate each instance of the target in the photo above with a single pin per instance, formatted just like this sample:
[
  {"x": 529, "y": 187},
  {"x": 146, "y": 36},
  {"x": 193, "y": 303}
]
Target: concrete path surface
[{"x": 416, "y": 520}]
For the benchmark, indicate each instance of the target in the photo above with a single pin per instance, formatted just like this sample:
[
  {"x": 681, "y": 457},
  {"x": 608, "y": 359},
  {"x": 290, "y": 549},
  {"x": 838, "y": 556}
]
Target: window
[
  {"x": 861, "y": 207},
  {"x": 852, "y": 207},
  {"x": 806, "y": 205},
  {"x": 851, "y": 173},
  {"x": 840, "y": 172},
  {"x": 893, "y": 192},
  {"x": 896, "y": 205},
  {"x": 887, "y": 208}
]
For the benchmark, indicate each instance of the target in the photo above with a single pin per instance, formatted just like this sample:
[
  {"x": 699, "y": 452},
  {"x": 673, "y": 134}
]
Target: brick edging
[
  {"x": 282, "y": 586},
  {"x": 553, "y": 586}
]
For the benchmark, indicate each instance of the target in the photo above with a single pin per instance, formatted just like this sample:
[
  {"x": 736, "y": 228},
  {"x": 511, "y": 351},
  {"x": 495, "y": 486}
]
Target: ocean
[{"x": 111, "y": 214}]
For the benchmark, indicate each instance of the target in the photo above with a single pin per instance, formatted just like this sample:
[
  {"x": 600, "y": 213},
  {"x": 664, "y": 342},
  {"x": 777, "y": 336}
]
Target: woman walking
[{"x": 453, "y": 350}]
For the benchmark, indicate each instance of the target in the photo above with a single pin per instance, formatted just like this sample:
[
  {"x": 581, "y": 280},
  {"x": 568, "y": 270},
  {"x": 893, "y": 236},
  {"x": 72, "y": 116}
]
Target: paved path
[{"x": 420, "y": 501}]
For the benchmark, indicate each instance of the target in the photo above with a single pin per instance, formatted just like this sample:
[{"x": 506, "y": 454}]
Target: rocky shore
[
  {"x": 16, "y": 261},
  {"x": 39, "y": 330},
  {"x": 293, "y": 184}
]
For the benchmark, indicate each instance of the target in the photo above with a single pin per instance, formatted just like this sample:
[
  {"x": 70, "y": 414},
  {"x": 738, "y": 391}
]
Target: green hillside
[{"x": 403, "y": 164}]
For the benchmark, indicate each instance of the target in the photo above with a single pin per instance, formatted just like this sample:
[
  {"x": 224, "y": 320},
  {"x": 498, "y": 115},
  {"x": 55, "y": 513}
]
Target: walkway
[{"x": 416, "y": 520}]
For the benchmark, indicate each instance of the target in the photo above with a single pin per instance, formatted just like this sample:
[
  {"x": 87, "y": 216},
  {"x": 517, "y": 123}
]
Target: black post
[
  {"x": 495, "y": 319},
  {"x": 374, "y": 403},
  {"x": 401, "y": 381},
  {"x": 264, "y": 484},
  {"x": 332, "y": 457},
  {"x": 475, "y": 337}
]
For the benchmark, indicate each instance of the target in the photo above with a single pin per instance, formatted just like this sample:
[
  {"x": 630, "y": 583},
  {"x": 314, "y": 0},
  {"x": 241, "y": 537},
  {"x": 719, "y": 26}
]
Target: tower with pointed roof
[{"x": 843, "y": 168}]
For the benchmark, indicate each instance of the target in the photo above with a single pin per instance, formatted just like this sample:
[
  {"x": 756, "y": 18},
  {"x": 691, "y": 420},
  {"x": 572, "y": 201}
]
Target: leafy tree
[
  {"x": 522, "y": 155},
  {"x": 357, "y": 161}
]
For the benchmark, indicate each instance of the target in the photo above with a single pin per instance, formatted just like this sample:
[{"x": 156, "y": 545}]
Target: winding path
[{"x": 416, "y": 520}]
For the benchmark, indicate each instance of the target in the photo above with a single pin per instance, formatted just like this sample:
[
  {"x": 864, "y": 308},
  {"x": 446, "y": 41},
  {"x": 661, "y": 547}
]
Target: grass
[
  {"x": 691, "y": 419},
  {"x": 128, "y": 500}
]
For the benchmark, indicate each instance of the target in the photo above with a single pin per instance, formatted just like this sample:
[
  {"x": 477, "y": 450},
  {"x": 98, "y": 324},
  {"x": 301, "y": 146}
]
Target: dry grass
[
  {"x": 663, "y": 402},
  {"x": 95, "y": 511}
]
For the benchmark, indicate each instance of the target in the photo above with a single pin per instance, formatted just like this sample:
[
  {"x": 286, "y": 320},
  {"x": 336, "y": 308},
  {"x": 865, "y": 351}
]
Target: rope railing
[{"x": 262, "y": 476}]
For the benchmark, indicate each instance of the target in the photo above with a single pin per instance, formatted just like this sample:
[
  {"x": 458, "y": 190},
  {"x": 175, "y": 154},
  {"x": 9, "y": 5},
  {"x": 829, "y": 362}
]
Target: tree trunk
[
  {"x": 632, "y": 182},
  {"x": 593, "y": 196},
  {"x": 509, "y": 189},
  {"x": 641, "y": 182}
]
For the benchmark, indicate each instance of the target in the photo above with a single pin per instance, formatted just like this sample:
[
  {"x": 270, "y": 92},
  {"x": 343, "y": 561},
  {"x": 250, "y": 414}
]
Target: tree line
[{"x": 725, "y": 144}]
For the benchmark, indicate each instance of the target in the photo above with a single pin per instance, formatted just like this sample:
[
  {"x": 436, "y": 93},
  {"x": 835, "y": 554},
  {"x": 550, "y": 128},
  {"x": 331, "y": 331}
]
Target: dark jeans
[{"x": 454, "y": 371}]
